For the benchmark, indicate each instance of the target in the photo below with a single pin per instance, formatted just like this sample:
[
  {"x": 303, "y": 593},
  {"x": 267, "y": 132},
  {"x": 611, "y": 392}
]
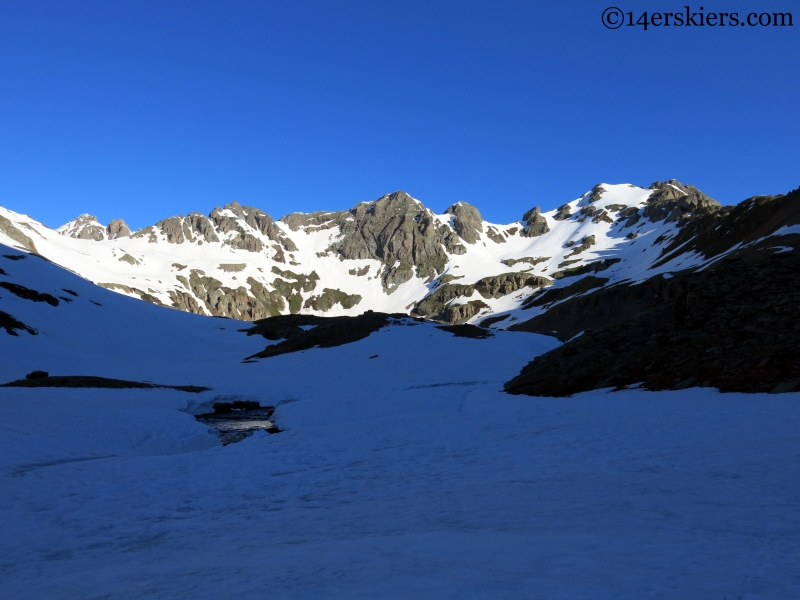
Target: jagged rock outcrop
[
  {"x": 586, "y": 243},
  {"x": 498, "y": 286},
  {"x": 532, "y": 260},
  {"x": 314, "y": 221},
  {"x": 596, "y": 193},
  {"x": 460, "y": 313},
  {"x": 7, "y": 227},
  {"x": 84, "y": 227},
  {"x": 673, "y": 200},
  {"x": 535, "y": 223},
  {"x": 117, "y": 229},
  {"x": 563, "y": 213},
  {"x": 467, "y": 221},
  {"x": 329, "y": 298},
  {"x": 398, "y": 231},
  {"x": 435, "y": 302}
]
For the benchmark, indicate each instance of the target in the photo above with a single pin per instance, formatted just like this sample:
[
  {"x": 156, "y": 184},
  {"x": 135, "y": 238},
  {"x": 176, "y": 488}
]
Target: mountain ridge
[{"x": 390, "y": 255}]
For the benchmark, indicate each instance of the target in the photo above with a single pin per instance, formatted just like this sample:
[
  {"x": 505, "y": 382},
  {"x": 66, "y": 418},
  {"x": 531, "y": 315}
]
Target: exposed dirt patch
[{"x": 90, "y": 381}]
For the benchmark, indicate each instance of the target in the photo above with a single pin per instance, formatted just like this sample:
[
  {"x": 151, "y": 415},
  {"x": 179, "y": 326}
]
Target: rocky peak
[
  {"x": 117, "y": 229},
  {"x": 467, "y": 221},
  {"x": 535, "y": 223},
  {"x": 87, "y": 227},
  {"x": 401, "y": 233},
  {"x": 83, "y": 227},
  {"x": 672, "y": 200}
]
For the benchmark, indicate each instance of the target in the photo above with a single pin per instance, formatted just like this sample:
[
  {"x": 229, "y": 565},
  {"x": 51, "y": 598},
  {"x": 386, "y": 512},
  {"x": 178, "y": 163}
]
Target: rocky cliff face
[{"x": 86, "y": 227}]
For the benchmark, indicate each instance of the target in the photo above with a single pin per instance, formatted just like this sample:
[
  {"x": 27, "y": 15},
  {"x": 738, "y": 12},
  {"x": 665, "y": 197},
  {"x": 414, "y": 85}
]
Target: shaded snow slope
[
  {"x": 402, "y": 469},
  {"x": 238, "y": 262}
]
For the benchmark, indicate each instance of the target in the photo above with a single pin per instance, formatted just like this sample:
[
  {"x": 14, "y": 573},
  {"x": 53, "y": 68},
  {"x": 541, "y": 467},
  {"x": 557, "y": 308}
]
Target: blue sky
[{"x": 142, "y": 110}]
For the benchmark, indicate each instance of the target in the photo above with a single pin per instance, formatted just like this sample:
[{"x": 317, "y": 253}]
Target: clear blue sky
[{"x": 143, "y": 110}]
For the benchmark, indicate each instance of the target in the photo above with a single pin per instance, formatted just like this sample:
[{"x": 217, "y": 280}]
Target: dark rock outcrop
[
  {"x": 563, "y": 213},
  {"x": 596, "y": 193},
  {"x": 328, "y": 332},
  {"x": 399, "y": 232},
  {"x": 672, "y": 200},
  {"x": 501, "y": 285},
  {"x": 28, "y": 294},
  {"x": 117, "y": 229},
  {"x": 535, "y": 223},
  {"x": 467, "y": 221},
  {"x": 733, "y": 325},
  {"x": 12, "y": 325},
  {"x": 15, "y": 234}
]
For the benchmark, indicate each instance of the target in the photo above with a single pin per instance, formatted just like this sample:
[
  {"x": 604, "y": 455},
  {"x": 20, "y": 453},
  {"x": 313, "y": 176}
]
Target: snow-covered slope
[
  {"x": 390, "y": 255},
  {"x": 402, "y": 469}
]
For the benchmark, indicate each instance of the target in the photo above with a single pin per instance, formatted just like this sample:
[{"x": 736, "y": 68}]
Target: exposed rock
[
  {"x": 245, "y": 241},
  {"x": 467, "y": 221},
  {"x": 733, "y": 326},
  {"x": 7, "y": 227},
  {"x": 117, "y": 229},
  {"x": 592, "y": 267},
  {"x": 12, "y": 325},
  {"x": 84, "y": 227},
  {"x": 399, "y": 232},
  {"x": 510, "y": 262},
  {"x": 435, "y": 302},
  {"x": 88, "y": 381},
  {"x": 672, "y": 201},
  {"x": 501, "y": 285},
  {"x": 315, "y": 220},
  {"x": 563, "y": 213},
  {"x": 596, "y": 214},
  {"x": 467, "y": 331},
  {"x": 447, "y": 279},
  {"x": 551, "y": 296},
  {"x": 359, "y": 272},
  {"x": 495, "y": 235},
  {"x": 232, "y": 267},
  {"x": 630, "y": 215},
  {"x": 535, "y": 223},
  {"x": 489, "y": 321},
  {"x": 460, "y": 313},
  {"x": 327, "y": 333},
  {"x": 565, "y": 263},
  {"x": 331, "y": 297},
  {"x": 149, "y": 232},
  {"x": 128, "y": 259},
  {"x": 306, "y": 283},
  {"x": 28, "y": 294},
  {"x": 586, "y": 243},
  {"x": 596, "y": 193}
]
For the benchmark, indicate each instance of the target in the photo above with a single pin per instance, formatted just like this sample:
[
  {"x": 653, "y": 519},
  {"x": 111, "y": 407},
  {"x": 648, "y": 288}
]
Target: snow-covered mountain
[
  {"x": 390, "y": 255},
  {"x": 402, "y": 469}
]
